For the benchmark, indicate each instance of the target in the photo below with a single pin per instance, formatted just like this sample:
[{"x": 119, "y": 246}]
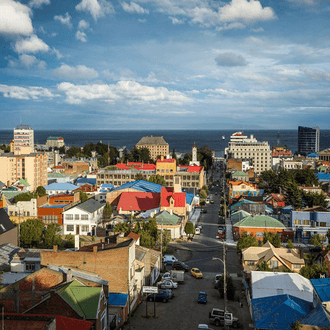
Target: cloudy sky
[{"x": 190, "y": 64}]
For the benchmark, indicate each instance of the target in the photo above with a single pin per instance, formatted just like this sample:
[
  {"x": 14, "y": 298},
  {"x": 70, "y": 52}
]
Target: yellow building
[
  {"x": 156, "y": 145},
  {"x": 166, "y": 168}
]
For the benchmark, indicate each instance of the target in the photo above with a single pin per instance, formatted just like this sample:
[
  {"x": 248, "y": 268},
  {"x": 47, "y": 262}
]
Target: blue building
[{"x": 305, "y": 224}]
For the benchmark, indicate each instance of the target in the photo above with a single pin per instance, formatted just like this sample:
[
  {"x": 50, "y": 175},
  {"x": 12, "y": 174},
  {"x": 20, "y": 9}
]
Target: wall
[{"x": 10, "y": 236}]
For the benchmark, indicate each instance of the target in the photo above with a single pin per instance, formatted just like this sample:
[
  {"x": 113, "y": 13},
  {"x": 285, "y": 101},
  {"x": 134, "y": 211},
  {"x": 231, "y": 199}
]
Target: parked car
[
  {"x": 218, "y": 316},
  {"x": 212, "y": 201},
  {"x": 167, "y": 284},
  {"x": 178, "y": 265},
  {"x": 202, "y": 298},
  {"x": 200, "y": 226},
  {"x": 169, "y": 259},
  {"x": 204, "y": 210},
  {"x": 216, "y": 280},
  {"x": 196, "y": 273},
  {"x": 215, "y": 193},
  {"x": 315, "y": 249},
  {"x": 197, "y": 231},
  {"x": 204, "y": 326},
  {"x": 162, "y": 295}
]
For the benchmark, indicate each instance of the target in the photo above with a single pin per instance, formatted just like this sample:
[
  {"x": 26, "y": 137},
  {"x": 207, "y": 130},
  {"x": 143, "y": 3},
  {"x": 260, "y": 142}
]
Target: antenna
[{"x": 278, "y": 138}]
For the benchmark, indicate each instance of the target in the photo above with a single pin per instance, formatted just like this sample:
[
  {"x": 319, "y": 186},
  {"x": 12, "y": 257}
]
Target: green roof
[
  {"x": 240, "y": 215},
  {"x": 24, "y": 182},
  {"x": 83, "y": 299},
  {"x": 165, "y": 218},
  {"x": 11, "y": 194},
  {"x": 239, "y": 173},
  {"x": 260, "y": 221},
  {"x": 57, "y": 175},
  {"x": 53, "y": 137}
]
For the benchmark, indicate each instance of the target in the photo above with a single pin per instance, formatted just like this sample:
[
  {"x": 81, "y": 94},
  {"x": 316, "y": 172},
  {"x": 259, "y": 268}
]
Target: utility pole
[{"x": 224, "y": 276}]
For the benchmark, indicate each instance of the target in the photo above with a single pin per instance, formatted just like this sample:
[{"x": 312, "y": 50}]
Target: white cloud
[
  {"x": 230, "y": 59},
  {"x": 231, "y": 26},
  {"x": 317, "y": 75},
  {"x": 83, "y": 25},
  {"x": 66, "y": 19},
  {"x": 245, "y": 10},
  {"x": 38, "y": 3},
  {"x": 142, "y": 20},
  {"x": 26, "y": 93},
  {"x": 97, "y": 8},
  {"x": 134, "y": 8},
  {"x": 176, "y": 21},
  {"x": 15, "y": 18},
  {"x": 81, "y": 36},
  {"x": 28, "y": 60},
  {"x": 31, "y": 45},
  {"x": 258, "y": 30},
  {"x": 78, "y": 72},
  {"x": 304, "y": 2},
  {"x": 129, "y": 91},
  {"x": 57, "y": 53}
]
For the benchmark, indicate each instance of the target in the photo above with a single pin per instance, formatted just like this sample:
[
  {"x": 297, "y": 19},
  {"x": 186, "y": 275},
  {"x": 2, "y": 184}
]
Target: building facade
[
  {"x": 55, "y": 142},
  {"x": 308, "y": 140},
  {"x": 23, "y": 139},
  {"x": 156, "y": 145},
  {"x": 242, "y": 147}
]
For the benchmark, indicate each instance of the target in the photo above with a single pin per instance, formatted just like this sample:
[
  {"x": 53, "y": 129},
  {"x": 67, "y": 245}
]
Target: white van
[
  {"x": 169, "y": 259},
  {"x": 197, "y": 231}
]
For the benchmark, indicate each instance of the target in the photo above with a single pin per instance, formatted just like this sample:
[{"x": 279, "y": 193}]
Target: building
[
  {"x": 243, "y": 188},
  {"x": 194, "y": 160},
  {"x": 23, "y": 139},
  {"x": 60, "y": 188},
  {"x": 55, "y": 142},
  {"x": 156, "y": 145},
  {"x": 276, "y": 258},
  {"x": 8, "y": 232},
  {"x": 240, "y": 176},
  {"x": 308, "y": 140},
  {"x": 191, "y": 176},
  {"x": 133, "y": 202},
  {"x": 242, "y": 147},
  {"x": 325, "y": 155},
  {"x": 167, "y": 169}
]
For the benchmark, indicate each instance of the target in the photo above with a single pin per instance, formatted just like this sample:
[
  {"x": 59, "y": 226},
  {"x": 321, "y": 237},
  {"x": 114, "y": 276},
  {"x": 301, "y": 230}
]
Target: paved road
[{"x": 183, "y": 311}]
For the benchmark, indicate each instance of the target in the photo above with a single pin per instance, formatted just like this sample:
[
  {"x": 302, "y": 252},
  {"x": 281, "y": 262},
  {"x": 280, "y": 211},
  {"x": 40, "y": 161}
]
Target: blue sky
[{"x": 181, "y": 64}]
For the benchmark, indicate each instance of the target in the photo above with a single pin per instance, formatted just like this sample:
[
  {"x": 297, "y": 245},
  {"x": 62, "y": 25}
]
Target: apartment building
[
  {"x": 242, "y": 147},
  {"x": 308, "y": 140},
  {"x": 23, "y": 139},
  {"x": 156, "y": 145}
]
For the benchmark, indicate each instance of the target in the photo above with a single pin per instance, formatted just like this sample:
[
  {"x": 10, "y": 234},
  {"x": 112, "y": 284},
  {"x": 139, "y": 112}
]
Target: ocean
[{"x": 180, "y": 140}]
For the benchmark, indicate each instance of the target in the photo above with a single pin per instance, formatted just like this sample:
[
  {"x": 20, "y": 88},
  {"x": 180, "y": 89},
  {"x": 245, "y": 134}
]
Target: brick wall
[
  {"x": 111, "y": 265},
  {"x": 234, "y": 165},
  {"x": 42, "y": 200},
  {"x": 10, "y": 236}
]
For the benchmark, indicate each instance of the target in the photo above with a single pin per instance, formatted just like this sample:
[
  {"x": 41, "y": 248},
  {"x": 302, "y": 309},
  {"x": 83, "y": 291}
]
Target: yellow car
[{"x": 196, "y": 273}]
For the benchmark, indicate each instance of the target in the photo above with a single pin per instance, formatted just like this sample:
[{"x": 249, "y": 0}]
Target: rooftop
[{"x": 158, "y": 140}]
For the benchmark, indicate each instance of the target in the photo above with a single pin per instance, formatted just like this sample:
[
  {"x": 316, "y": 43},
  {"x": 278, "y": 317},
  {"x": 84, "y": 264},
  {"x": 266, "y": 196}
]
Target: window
[
  {"x": 85, "y": 228},
  {"x": 30, "y": 267},
  {"x": 273, "y": 264},
  {"x": 323, "y": 224},
  {"x": 296, "y": 265},
  {"x": 297, "y": 222},
  {"x": 76, "y": 216},
  {"x": 69, "y": 227},
  {"x": 250, "y": 263},
  {"x": 84, "y": 217},
  {"x": 69, "y": 217},
  {"x": 306, "y": 222}
]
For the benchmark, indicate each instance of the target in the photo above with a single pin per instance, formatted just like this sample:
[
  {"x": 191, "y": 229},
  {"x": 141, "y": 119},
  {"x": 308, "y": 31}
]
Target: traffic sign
[{"x": 149, "y": 289}]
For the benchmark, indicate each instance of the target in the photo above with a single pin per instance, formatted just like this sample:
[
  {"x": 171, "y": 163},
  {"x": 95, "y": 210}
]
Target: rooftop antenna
[{"x": 278, "y": 138}]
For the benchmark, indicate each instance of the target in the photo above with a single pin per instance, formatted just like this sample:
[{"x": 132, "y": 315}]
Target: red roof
[
  {"x": 137, "y": 165},
  {"x": 193, "y": 168},
  {"x": 138, "y": 201},
  {"x": 168, "y": 193},
  {"x": 134, "y": 236},
  {"x": 238, "y": 134},
  {"x": 170, "y": 160}
]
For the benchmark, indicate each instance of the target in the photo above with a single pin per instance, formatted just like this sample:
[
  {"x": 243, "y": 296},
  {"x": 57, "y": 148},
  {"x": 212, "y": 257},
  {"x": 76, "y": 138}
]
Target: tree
[
  {"x": 189, "y": 228},
  {"x": 230, "y": 287},
  {"x": 273, "y": 238},
  {"x": 139, "y": 176},
  {"x": 157, "y": 179},
  {"x": 31, "y": 232},
  {"x": 69, "y": 243},
  {"x": 83, "y": 196},
  {"x": 73, "y": 151},
  {"x": 206, "y": 189},
  {"x": 293, "y": 195},
  {"x": 202, "y": 194},
  {"x": 269, "y": 181},
  {"x": 104, "y": 160},
  {"x": 317, "y": 240},
  {"x": 290, "y": 244},
  {"x": 263, "y": 267},
  {"x": 246, "y": 241},
  {"x": 41, "y": 191},
  {"x": 107, "y": 211},
  {"x": 315, "y": 199},
  {"x": 313, "y": 271},
  {"x": 52, "y": 235}
]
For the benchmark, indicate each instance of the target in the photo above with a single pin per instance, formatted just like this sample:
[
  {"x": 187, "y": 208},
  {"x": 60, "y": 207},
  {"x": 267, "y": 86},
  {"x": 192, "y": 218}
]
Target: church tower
[{"x": 194, "y": 160}]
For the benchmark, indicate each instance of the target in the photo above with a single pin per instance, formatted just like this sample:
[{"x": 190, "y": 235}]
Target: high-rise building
[
  {"x": 156, "y": 144},
  {"x": 22, "y": 162},
  {"x": 242, "y": 147},
  {"x": 23, "y": 139},
  {"x": 308, "y": 140}
]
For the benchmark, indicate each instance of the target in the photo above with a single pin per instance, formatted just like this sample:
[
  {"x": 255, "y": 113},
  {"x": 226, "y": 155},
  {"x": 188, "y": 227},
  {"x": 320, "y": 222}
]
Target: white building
[
  {"x": 23, "y": 138},
  {"x": 242, "y": 147},
  {"x": 60, "y": 188},
  {"x": 290, "y": 164},
  {"x": 83, "y": 218},
  {"x": 55, "y": 141}
]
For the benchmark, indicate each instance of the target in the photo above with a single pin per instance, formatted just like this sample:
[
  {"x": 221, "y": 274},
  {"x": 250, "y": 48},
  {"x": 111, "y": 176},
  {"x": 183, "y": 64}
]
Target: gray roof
[
  {"x": 152, "y": 140},
  {"x": 90, "y": 205}
]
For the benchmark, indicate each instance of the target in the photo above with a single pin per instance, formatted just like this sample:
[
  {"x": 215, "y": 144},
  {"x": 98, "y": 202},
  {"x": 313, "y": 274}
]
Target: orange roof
[
  {"x": 134, "y": 236},
  {"x": 167, "y": 193},
  {"x": 237, "y": 183},
  {"x": 193, "y": 168},
  {"x": 170, "y": 160},
  {"x": 137, "y": 165}
]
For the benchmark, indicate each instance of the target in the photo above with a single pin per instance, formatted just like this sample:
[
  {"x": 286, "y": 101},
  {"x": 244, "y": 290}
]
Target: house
[
  {"x": 258, "y": 225},
  {"x": 279, "y": 312},
  {"x": 276, "y": 258},
  {"x": 60, "y": 188},
  {"x": 7, "y": 251},
  {"x": 238, "y": 188},
  {"x": 318, "y": 318},
  {"x": 173, "y": 200},
  {"x": 83, "y": 218},
  {"x": 276, "y": 200},
  {"x": 75, "y": 299},
  {"x": 172, "y": 223},
  {"x": 239, "y": 176},
  {"x": 268, "y": 284},
  {"x": 8, "y": 232},
  {"x": 322, "y": 288}
]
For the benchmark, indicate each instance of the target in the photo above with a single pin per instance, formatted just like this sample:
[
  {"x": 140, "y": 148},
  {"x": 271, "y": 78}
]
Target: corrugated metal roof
[
  {"x": 61, "y": 186},
  {"x": 90, "y": 206},
  {"x": 261, "y": 221},
  {"x": 322, "y": 287},
  {"x": 318, "y": 317},
  {"x": 279, "y": 312},
  {"x": 141, "y": 185},
  {"x": 117, "y": 299}
]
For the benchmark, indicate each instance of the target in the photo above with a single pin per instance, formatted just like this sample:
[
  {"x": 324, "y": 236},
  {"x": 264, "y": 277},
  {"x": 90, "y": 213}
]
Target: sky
[{"x": 167, "y": 64}]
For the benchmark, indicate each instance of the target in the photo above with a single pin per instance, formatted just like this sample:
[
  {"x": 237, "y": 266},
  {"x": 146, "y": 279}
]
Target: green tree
[
  {"x": 290, "y": 244},
  {"x": 139, "y": 176},
  {"x": 73, "y": 151},
  {"x": 189, "y": 228},
  {"x": 296, "y": 326},
  {"x": 246, "y": 241},
  {"x": 52, "y": 235},
  {"x": 313, "y": 271},
  {"x": 107, "y": 211},
  {"x": 104, "y": 160},
  {"x": 230, "y": 287},
  {"x": 206, "y": 189},
  {"x": 62, "y": 150},
  {"x": 24, "y": 197},
  {"x": 269, "y": 181},
  {"x": 202, "y": 194},
  {"x": 69, "y": 241},
  {"x": 273, "y": 238},
  {"x": 305, "y": 177},
  {"x": 41, "y": 191},
  {"x": 83, "y": 196},
  {"x": 293, "y": 195},
  {"x": 315, "y": 199},
  {"x": 263, "y": 267},
  {"x": 31, "y": 232},
  {"x": 157, "y": 179},
  {"x": 317, "y": 240}
]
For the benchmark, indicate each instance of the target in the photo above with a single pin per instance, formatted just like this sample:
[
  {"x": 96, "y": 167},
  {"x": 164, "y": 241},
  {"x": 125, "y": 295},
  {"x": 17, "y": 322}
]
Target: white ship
[{"x": 223, "y": 137}]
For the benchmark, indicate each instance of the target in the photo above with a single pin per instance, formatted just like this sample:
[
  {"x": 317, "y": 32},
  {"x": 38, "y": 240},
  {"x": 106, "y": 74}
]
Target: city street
[{"x": 183, "y": 311}]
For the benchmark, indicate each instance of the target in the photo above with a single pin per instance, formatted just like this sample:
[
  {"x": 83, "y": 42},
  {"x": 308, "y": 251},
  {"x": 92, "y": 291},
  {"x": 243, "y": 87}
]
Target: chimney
[
  {"x": 171, "y": 212},
  {"x": 69, "y": 275},
  {"x": 102, "y": 246},
  {"x": 95, "y": 249},
  {"x": 120, "y": 238},
  {"x": 55, "y": 248}
]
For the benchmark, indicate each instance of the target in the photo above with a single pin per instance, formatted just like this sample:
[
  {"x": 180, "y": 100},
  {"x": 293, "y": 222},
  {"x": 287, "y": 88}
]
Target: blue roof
[
  {"x": 141, "y": 185},
  {"x": 322, "y": 287},
  {"x": 323, "y": 176},
  {"x": 61, "y": 186},
  {"x": 107, "y": 185},
  {"x": 279, "y": 312},
  {"x": 318, "y": 317},
  {"x": 189, "y": 198},
  {"x": 57, "y": 206},
  {"x": 118, "y": 299},
  {"x": 313, "y": 155},
  {"x": 81, "y": 181}
]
